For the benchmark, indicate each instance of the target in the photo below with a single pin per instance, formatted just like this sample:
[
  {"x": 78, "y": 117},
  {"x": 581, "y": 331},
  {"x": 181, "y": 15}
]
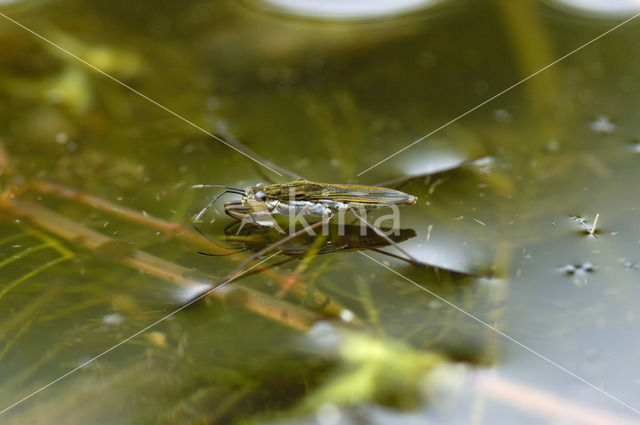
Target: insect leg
[
  {"x": 399, "y": 257},
  {"x": 240, "y": 268},
  {"x": 253, "y": 219},
  {"x": 231, "y": 252},
  {"x": 383, "y": 236},
  {"x": 279, "y": 263},
  {"x": 208, "y": 254},
  {"x": 275, "y": 245},
  {"x": 232, "y": 210}
]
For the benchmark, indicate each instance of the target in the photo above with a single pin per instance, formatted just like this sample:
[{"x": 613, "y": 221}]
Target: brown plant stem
[
  {"x": 175, "y": 230},
  {"x": 252, "y": 300}
]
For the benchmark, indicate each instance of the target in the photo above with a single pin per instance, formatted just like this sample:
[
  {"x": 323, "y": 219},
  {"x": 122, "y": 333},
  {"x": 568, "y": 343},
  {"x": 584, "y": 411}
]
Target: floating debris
[
  {"x": 578, "y": 269},
  {"x": 478, "y": 221},
  {"x": 588, "y": 229},
  {"x": 595, "y": 223},
  {"x": 429, "y": 229}
]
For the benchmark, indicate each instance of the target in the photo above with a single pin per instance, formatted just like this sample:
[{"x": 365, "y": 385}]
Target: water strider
[{"x": 303, "y": 198}]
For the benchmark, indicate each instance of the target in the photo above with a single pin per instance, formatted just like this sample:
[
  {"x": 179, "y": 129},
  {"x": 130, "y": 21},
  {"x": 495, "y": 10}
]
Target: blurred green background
[{"x": 510, "y": 191}]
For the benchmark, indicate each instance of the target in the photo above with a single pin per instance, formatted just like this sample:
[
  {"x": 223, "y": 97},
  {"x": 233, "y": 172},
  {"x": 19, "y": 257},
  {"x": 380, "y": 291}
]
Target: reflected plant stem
[
  {"x": 368, "y": 303},
  {"x": 9, "y": 342},
  {"x": 175, "y": 230},
  {"x": 102, "y": 300},
  {"x": 15, "y": 323},
  {"x": 294, "y": 281},
  {"x": 266, "y": 250},
  {"x": 226, "y": 405},
  {"x": 255, "y": 301},
  {"x": 533, "y": 51},
  {"x": 5, "y": 162},
  {"x": 541, "y": 403},
  {"x": 498, "y": 297}
]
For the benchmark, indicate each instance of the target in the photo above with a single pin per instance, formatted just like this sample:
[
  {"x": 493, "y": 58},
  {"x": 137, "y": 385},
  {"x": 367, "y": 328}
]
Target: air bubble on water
[
  {"x": 62, "y": 137},
  {"x": 502, "y": 115},
  {"x": 213, "y": 103},
  {"x": 481, "y": 87},
  {"x": 346, "y": 315},
  {"x": 553, "y": 146},
  {"x": 602, "y": 124},
  {"x": 113, "y": 319}
]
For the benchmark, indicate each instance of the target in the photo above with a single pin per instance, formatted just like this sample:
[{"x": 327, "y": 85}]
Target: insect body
[{"x": 305, "y": 198}]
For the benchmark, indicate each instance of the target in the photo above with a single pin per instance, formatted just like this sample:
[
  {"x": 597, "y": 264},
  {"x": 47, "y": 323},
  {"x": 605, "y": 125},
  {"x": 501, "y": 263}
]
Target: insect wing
[{"x": 366, "y": 195}]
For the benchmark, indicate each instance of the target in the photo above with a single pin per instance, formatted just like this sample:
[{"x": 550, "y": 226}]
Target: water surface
[{"x": 326, "y": 100}]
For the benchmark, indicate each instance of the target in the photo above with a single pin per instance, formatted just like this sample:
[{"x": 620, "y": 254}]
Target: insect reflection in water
[
  {"x": 345, "y": 239},
  {"x": 305, "y": 199}
]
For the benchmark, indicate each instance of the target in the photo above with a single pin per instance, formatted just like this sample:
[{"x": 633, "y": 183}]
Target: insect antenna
[
  {"x": 229, "y": 139},
  {"x": 204, "y": 186},
  {"x": 227, "y": 189}
]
